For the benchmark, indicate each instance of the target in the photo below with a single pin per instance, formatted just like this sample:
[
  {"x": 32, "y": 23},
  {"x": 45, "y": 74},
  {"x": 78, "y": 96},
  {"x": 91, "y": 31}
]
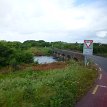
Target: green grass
[
  {"x": 40, "y": 51},
  {"x": 52, "y": 88}
]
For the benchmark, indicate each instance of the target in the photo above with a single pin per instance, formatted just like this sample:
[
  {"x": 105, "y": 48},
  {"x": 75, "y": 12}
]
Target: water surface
[{"x": 44, "y": 59}]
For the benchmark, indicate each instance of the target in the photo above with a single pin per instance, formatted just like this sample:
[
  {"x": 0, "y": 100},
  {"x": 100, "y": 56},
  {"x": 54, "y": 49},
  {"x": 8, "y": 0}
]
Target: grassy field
[{"x": 49, "y": 88}]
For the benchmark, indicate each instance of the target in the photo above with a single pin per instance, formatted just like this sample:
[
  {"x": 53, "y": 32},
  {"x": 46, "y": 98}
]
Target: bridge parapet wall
[{"x": 68, "y": 54}]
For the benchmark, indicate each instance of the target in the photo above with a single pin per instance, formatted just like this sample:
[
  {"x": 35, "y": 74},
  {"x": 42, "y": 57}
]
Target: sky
[{"x": 53, "y": 20}]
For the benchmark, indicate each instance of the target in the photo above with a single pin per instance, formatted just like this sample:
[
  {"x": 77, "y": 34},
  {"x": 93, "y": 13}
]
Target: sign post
[{"x": 87, "y": 50}]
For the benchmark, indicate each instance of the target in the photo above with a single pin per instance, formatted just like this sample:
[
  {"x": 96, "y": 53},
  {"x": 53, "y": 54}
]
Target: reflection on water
[{"x": 44, "y": 59}]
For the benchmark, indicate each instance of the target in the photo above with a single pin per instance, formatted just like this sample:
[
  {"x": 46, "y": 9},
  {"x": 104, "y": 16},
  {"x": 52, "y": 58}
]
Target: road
[
  {"x": 101, "y": 61},
  {"x": 97, "y": 96}
]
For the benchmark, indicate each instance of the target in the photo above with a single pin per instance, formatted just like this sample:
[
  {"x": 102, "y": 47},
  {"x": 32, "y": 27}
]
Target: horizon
[{"x": 53, "y": 41}]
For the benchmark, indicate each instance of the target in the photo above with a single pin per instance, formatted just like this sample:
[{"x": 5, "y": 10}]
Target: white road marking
[
  {"x": 95, "y": 89},
  {"x": 100, "y": 69},
  {"x": 96, "y": 63},
  {"x": 103, "y": 86},
  {"x": 100, "y": 77}
]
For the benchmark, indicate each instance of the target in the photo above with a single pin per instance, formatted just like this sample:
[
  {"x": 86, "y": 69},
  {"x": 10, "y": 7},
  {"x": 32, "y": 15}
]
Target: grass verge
[{"x": 52, "y": 88}]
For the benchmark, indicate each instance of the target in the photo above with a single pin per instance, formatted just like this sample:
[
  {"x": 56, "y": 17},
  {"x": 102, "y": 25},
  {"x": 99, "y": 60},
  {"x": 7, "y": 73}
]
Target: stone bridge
[{"x": 66, "y": 54}]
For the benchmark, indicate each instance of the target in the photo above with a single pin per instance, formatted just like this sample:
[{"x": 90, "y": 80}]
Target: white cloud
[
  {"x": 51, "y": 20},
  {"x": 102, "y": 34}
]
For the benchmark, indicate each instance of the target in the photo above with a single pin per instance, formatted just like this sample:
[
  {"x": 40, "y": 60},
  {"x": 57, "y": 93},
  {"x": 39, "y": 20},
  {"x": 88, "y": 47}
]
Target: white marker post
[{"x": 87, "y": 50}]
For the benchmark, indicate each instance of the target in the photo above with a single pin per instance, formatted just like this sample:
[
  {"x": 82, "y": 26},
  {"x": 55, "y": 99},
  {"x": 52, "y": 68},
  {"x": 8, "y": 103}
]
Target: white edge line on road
[
  {"x": 100, "y": 77},
  {"x": 103, "y": 86},
  {"x": 100, "y": 69},
  {"x": 95, "y": 89},
  {"x": 96, "y": 63}
]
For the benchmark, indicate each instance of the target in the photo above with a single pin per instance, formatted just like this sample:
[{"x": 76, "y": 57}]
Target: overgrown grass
[
  {"x": 40, "y": 51},
  {"x": 52, "y": 88}
]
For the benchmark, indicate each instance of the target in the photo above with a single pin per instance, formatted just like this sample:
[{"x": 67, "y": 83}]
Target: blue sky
[
  {"x": 88, "y": 2},
  {"x": 79, "y": 2},
  {"x": 53, "y": 20}
]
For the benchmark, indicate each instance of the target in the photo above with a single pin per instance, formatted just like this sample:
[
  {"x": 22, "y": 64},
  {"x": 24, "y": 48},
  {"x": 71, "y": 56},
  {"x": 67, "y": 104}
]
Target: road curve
[
  {"x": 97, "y": 96},
  {"x": 101, "y": 61}
]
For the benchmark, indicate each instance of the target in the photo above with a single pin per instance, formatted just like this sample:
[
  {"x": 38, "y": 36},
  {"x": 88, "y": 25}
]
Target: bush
[
  {"x": 5, "y": 55},
  {"x": 24, "y": 57}
]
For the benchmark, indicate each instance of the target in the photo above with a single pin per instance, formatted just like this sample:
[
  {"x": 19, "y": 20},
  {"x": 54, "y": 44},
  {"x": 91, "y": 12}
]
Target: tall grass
[
  {"x": 52, "y": 88},
  {"x": 40, "y": 51}
]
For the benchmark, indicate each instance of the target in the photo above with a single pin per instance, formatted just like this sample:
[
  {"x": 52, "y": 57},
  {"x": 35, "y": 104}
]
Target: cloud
[
  {"x": 52, "y": 20},
  {"x": 102, "y": 34}
]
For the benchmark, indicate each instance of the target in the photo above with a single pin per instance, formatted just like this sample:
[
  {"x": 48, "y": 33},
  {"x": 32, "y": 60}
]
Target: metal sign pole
[{"x": 85, "y": 61}]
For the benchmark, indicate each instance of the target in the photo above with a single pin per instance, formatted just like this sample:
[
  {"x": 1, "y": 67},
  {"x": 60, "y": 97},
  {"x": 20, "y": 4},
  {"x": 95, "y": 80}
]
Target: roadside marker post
[{"x": 87, "y": 50}]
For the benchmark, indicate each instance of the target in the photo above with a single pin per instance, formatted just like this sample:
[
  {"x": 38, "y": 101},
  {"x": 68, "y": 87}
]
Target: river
[{"x": 44, "y": 59}]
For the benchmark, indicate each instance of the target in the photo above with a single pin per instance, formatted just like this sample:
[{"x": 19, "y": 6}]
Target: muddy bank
[{"x": 55, "y": 65}]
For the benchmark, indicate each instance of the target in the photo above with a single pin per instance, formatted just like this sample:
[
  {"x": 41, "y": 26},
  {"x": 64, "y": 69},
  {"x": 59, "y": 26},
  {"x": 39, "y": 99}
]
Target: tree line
[{"x": 14, "y": 53}]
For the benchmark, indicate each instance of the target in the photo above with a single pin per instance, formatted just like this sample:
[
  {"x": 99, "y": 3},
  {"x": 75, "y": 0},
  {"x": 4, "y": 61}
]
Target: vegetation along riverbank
[
  {"x": 52, "y": 88},
  {"x": 24, "y": 83}
]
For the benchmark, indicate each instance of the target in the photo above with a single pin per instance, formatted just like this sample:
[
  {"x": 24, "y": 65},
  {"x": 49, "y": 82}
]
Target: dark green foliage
[
  {"x": 12, "y": 54},
  {"x": 100, "y": 48},
  {"x": 5, "y": 54},
  {"x": 33, "y": 43},
  {"x": 24, "y": 57},
  {"x": 14, "y": 44}
]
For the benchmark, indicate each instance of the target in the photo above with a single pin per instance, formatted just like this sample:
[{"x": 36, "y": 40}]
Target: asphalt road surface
[
  {"x": 97, "y": 96},
  {"x": 101, "y": 61}
]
